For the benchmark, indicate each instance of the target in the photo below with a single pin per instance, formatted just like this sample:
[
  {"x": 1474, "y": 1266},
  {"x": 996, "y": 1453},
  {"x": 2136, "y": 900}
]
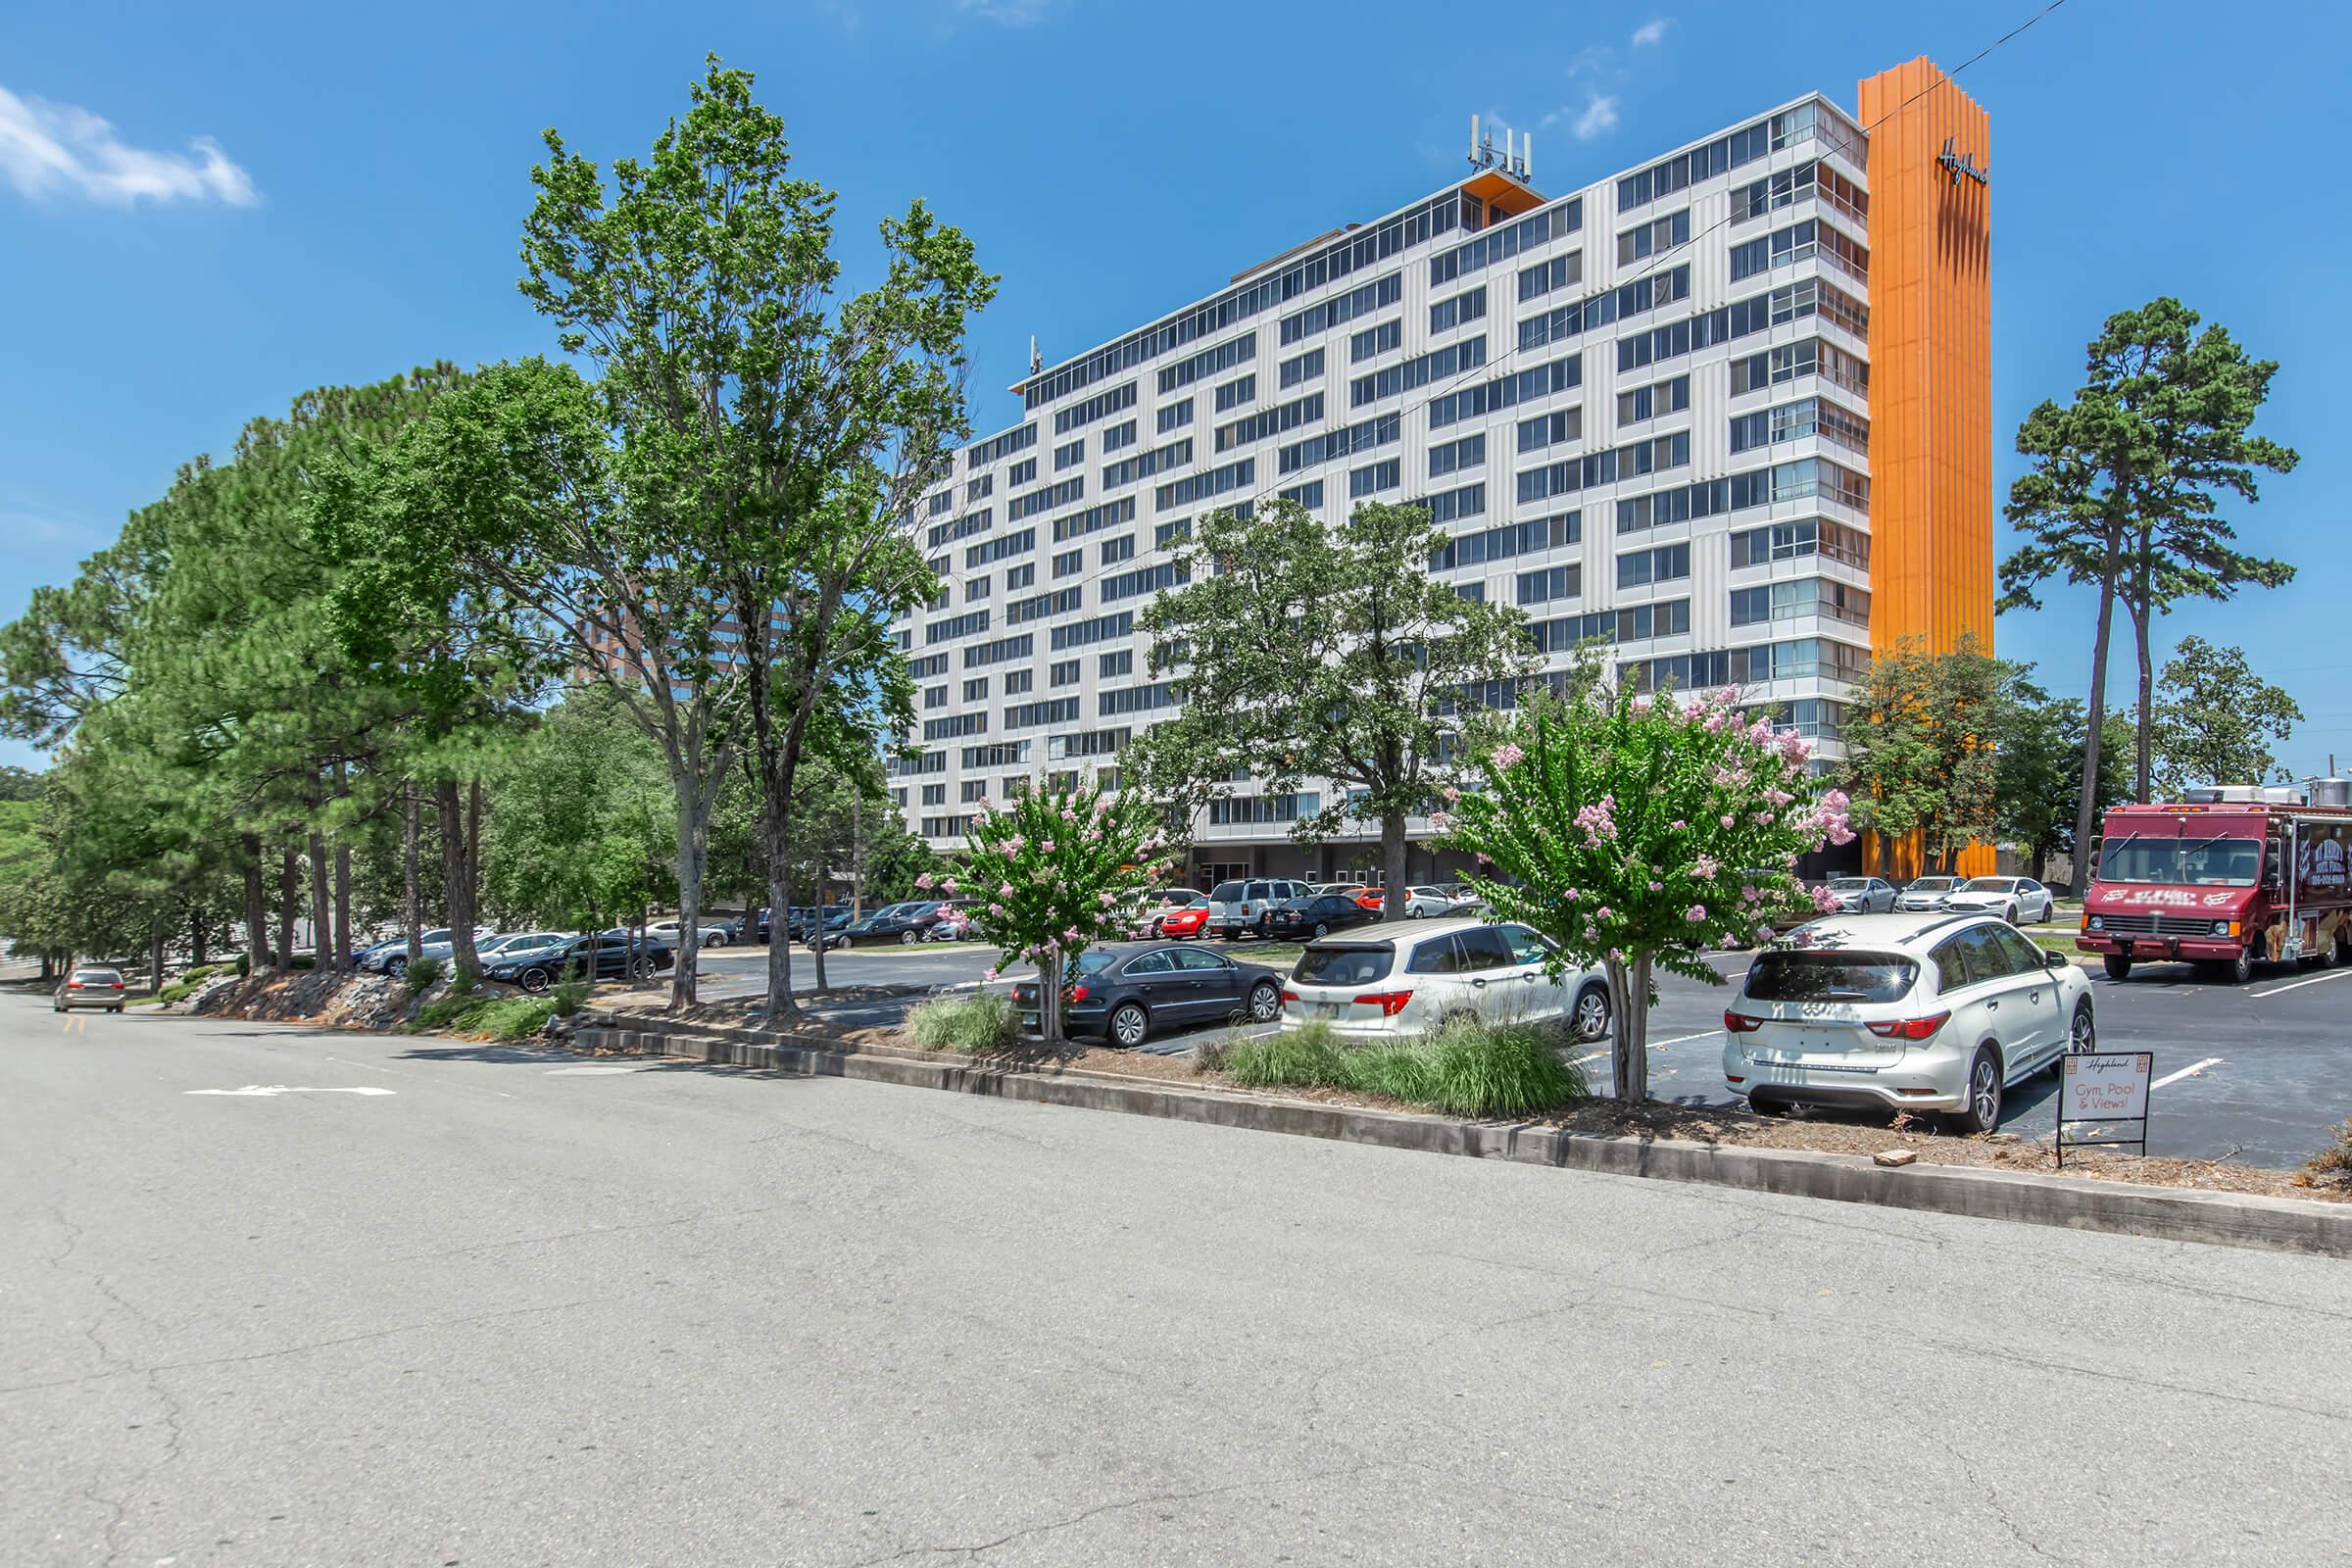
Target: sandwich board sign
[{"x": 2102, "y": 1098}]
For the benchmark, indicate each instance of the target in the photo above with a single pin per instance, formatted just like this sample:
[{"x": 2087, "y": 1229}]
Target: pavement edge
[{"x": 2181, "y": 1214}]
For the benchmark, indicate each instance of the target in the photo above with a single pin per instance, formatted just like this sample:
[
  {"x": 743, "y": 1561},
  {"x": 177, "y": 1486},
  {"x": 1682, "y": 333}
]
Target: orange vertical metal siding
[{"x": 1931, "y": 373}]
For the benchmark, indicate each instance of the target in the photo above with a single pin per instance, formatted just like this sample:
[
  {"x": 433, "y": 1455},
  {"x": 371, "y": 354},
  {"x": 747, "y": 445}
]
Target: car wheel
[
  {"x": 1322, "y": 928},
  {"x": 2118, "y": 967},
  {"x": 397, "y": 966},
  {"x": 1265, "y": 1001},
  {"x": 1984, "y": 1110},
  {"x": 533, "y": 981},
  {"x": 1127, "y": 1024},
  {"x": 641, "y": 969},
  {"x": 2084, "y": 1036},
  {"x": 2241, "y": 967},
  {"x": 1592, "y": 1014},
  {"x": 2010, "y": 914},
  {"x": 2330, "y": 955},
  {"x": 907, "y": 939}
]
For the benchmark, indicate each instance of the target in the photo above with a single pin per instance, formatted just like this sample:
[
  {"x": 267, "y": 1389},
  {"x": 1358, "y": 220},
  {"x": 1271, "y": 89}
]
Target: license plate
[
  {"x": 1330, "y": 1010},
  {"x": 1028, "y": 1021}
]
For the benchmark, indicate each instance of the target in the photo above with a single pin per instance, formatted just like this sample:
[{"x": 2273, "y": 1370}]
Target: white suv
[
  {"x": 1406, "y": 977},
  {"x": 1903, "y": 1012},
  {"x": 1238, "y": 908}
]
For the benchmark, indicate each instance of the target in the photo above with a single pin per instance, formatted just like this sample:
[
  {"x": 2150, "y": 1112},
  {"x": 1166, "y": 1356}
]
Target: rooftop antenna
[{"x": 1037, "y": 361}]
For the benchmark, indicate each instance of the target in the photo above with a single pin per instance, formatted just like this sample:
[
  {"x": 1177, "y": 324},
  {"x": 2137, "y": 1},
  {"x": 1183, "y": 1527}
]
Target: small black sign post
[{"x": 2102, "y": 1089}]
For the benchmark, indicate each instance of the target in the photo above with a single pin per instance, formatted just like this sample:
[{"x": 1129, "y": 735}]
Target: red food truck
[{"x": 2236, "y": 875}]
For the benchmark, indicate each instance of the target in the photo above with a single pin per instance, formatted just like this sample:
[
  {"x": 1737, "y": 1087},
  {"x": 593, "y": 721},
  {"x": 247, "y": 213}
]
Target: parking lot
[{"x": 2259, "y": 1073}]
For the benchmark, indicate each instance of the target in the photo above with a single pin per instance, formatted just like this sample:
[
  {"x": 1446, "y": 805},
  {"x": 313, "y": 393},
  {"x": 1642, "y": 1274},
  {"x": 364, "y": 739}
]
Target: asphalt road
[
  {"x": 2260, "y": 1073},
  {"x": 518, "y": 1307}
]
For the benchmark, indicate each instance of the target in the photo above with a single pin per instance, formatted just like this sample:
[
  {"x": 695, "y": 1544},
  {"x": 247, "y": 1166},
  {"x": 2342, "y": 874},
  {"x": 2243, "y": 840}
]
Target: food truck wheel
[
  {"x": 2119, "y": 967},
  {"x": 2241, "y": 967}
]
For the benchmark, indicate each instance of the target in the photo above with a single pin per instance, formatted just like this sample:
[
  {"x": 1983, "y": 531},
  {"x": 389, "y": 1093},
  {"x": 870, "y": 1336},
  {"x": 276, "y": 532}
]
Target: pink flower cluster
[
  {"x": 1599, "y": 820},
  {"x": 1508, "y": 756}
]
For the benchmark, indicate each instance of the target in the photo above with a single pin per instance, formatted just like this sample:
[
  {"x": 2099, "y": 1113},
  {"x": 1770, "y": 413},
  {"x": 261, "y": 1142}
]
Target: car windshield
[
  {"x": 103, "y": 977},
  {"x": 1227, "y": 893},
  {"x": 1831, "y": 977},
  {"x": 1848, "y": 884},
  {"x": 1329, "y": 966},
  {"x": 1933, "y": 883},
  {"x": 2181, "y": 863},
  {"x": 1987, "y": 884},
  {"x": 1093, "y": 962}
]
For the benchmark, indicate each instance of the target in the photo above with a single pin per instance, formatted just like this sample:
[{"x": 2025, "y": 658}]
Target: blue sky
[{"x": 287, "y": 196}]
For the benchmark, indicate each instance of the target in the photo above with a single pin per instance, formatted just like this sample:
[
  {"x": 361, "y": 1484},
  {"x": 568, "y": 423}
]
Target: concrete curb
[{"x": 2170, "y": 1213}]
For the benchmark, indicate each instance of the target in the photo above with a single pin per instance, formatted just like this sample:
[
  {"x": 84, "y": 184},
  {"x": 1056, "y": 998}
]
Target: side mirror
[{"x": 2055, "y": 961}]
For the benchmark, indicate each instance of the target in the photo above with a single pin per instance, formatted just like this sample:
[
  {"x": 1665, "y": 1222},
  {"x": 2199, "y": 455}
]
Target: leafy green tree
[
  {"x": 582, "y": 820},
  {"x": 2216, "y": 720},
  {"x": 2124, "y": 492},
  {"x": 780, "y": 436},
  {"x": 1920, "y": 751},
  {"x": 1639, "y": 833},
  {"x": 2040, "y": 746},
  {"x": 1059, "y": 868},
  {"x": 20, "y": 784},
  {"x": 1305, "y": 652}
]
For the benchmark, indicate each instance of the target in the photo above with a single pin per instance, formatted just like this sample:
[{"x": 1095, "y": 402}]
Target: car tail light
[
  {"x": 1079, "y": 993},
  {"x": 1740, "y": 1023},
  {"x": 1390, "y": 1002},
  {"x": 1909, "y": 1028},
  {"x": 1289, "y": 996},
  {"x": 115, "y": 985},
  {"x": 73, "y": 985}
]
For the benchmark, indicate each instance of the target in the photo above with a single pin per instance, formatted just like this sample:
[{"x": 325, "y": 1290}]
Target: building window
[
  {"x": 977, "y": 588},
  {"x": 1065, "y": 673},
  {"x": 1459, "y": 311},
  {"x": 1452, "y": 457},
  {"x": 975, "y": 690},
  {"x": 1021, "y": 472},
  {"x": 935, "y": 794},
  {"x": 1386, "y": 338},
  {"x": 1114, "y": 551},
  {"x": 1017, "y": 681},
  {"x": 1664, "y": 564},
  {"x": 1233, "y": 394},
  {"x": 1070, "y": 562},
  {"x": 1121, "y": 662},
  {"x": 1670, "y": 396},
  {"x": 1542, "y": 586},
  {"x": 1070, "y": 455},
  {"x": 1118, "y": 436},
  {"x": 1648, "y": 239},
  {"x": 1176, "y": 415},
  {"x": 1302, "y": 367},
  {"x": 1019, "y": 577},
  {"x": 1376, "y": 478},
  {"x": 935, "y": 697}
]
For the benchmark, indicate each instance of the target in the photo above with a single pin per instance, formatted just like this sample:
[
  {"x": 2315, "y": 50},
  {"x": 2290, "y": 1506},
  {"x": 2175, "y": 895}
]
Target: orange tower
[{"x": 1931, "y": 377}]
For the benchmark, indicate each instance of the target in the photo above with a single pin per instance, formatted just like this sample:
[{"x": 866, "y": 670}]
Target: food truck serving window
[{"x": 2227, "y": 862}]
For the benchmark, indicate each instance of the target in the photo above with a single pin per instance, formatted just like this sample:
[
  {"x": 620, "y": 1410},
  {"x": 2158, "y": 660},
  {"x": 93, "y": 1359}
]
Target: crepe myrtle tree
[
  {"x": 1059, "y": 868},
  {"x": 1637, "y": 833}
]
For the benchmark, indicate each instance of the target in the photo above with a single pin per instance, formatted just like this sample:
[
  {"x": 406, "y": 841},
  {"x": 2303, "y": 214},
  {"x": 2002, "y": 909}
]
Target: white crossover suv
[
  {"x": 1409, "y": 976},
  {"x": 1903, "y": 1012}
]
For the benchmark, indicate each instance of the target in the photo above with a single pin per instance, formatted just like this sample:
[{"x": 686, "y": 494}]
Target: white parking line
[
  {"x": 2297, "y": 985},
  {"x": 1682, "y": 1039},
  {"x": 2190, "y": 1071}
]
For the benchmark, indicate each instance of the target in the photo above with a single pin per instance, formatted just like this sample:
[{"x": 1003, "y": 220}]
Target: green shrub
[
  {"x": 420, "y": 975},
  {"x": 203, "y": 971},
  {"x": 476, "y": 1013},
  {"x": 175, "y": 991},
  {"x": 1469, "y": 1068},
  {"x": 2333, "y": 1166},
  {"x": 973, "y": 1025},
  {"x": 463, "y": 982},
  {"x": 568, "y": 996}
]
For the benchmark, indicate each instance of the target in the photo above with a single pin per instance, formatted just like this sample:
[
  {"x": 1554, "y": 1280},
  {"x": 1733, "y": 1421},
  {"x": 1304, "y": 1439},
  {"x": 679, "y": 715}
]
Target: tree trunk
[
  {"x": 198, "y": 946},
  {"x": 412, "y": 894},
  {"x": 155, "y": 954},
  {"x": 1393, "y": 851},
  {"x": 2140, "y": 783},
  {"x": 256, "y": 905},
  {"x": 775, "y": 838},
  {"x": 816, "y": 925},
  {"x": 342, "y": 884},
  {"x": 457, "y": 878},
  {"x": 2087, "y": 798},
  {"x": 693, "y": 843},
  {"x": 1628, "y": 1045},
  {"x": 321, "y": 920},
  {"x": 286, "y": 908},
  {"x": 1048, "y": 999}
]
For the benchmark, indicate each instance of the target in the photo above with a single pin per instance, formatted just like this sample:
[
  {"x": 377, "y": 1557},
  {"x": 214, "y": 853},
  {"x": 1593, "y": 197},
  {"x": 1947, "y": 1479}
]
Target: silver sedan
[{"x": 1862, "y": 895}]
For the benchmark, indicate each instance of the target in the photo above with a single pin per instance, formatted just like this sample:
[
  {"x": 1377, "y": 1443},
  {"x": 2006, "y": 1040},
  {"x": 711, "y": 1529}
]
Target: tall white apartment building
[{"x": 1727, "y": 409}]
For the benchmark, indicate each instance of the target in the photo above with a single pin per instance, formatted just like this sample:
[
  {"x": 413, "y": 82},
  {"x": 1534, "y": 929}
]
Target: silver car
[
  {"x": 1924, "y": 893},
  {"x": 91, "y": 988},
  {"x": 1862, "y": 895},
  {"x": 1408, "y": 976},
  {"x": 1238, "y": 908},
  {"x": 2015, "y": 898}
]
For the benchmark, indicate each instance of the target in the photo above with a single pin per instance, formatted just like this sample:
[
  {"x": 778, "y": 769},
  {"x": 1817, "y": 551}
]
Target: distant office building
[{"x": 1727, "y": 409}]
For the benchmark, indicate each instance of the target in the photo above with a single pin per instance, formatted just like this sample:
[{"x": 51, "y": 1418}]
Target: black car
[
  {"x": 1128, "y": 991},
  {"x": 897, "y": 923},
  {"x": 602, "y": 957},
  {"x": 1317, "y": 915},
  {"x": 806, "y": 922}
]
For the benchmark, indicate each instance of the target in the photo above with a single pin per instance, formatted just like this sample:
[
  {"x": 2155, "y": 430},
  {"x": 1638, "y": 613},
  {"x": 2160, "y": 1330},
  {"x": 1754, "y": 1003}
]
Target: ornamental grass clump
[
  {"x": 1472, "y": 1067},
  {"x": 972, "y": 1025},
  {"x": 1640, "y": 832}
]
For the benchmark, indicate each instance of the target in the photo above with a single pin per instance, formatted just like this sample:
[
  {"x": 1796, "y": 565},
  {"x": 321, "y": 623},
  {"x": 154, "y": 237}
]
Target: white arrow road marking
[
  {"x": 587, "y": 1072},
  {"x": 2193, "y": 1070},
  {"x": 268, "y": 1090}
]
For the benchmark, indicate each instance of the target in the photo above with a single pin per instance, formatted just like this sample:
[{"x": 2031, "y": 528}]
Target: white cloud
[
  {"x": 1007, "y": 13},
  {"x": 1651, "y": 32},
  {"x": 1599, "y": 117},
  {"x": 56, "y": 149}
]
